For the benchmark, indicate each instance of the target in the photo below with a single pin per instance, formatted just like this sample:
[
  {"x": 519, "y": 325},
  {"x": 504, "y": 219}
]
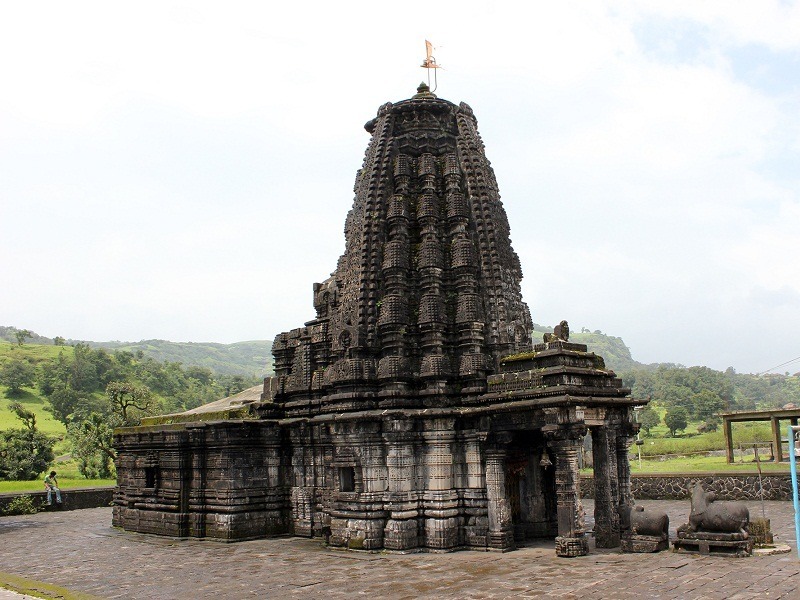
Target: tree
[
  {"x": 707, "y": 404},
  {"x": 676, "y": 419},
  {"x": 92, "y": 435},
  {"x": 130, "y": 401},
  {"x": 92, "y": 446},
  {"x": 16, "y": 374},
  {"x": 24, "y": 453},
  {"x": 21, "y": 334},
  {"x": 59, "y": 341},
  {"x": 28, "y": 417},
  {"x": 648, "y": 418},
  {"x": 55, "y": 374},
  {"x": 63, "y": 403},
  {"x": 83, "y": 371}
]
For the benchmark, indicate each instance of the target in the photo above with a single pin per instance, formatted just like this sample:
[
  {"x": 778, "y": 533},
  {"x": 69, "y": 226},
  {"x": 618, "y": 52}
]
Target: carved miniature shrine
[{"x": 412, "y": 412}]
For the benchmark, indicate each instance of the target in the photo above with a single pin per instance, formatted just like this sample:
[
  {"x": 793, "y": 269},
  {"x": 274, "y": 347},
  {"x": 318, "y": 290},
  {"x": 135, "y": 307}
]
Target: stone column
[
  {"x": 402, "y": 527},
  {"x": 501, "y": 529},
  {"x": 606, "y": 517},
  {"x": 440, "y": 499},
  {"x": 625, "y": 435},
  {"x": 565, "y": 442}
]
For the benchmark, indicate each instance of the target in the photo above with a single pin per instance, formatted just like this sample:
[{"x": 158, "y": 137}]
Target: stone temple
[{"x": 412, "y": 412}]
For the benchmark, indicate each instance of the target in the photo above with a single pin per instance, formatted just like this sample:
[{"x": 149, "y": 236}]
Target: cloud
[{"x": 185, "y": 168}]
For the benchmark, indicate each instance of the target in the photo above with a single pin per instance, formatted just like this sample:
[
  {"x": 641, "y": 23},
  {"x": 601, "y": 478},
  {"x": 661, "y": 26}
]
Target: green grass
[
  {"x": 69, "y": 478},
  {"x": 658, "y": 442},
  {"x": 64, "y": 483},
  {"x": 35, "y": 353},
  {"x": 30, "y": 399},
  {"x": 40, "y": 589},
  {"x": 696, "y": 464}
]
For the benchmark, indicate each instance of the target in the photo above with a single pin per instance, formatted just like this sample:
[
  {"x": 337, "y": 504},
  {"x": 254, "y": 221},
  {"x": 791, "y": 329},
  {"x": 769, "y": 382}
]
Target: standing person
[{"x": 51, "y": 485}]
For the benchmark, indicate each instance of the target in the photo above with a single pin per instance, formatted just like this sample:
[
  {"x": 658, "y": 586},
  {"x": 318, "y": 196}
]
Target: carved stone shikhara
[{"x": 412, "y": 413}]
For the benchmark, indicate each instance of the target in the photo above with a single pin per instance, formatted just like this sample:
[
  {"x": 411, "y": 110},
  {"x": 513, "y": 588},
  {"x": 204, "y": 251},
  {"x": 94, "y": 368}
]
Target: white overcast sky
[{"x": 182, "y": 170}]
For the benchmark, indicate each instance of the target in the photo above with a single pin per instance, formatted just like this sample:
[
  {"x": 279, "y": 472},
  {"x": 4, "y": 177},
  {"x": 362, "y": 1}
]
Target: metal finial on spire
[{"x": 430, "y": 63}]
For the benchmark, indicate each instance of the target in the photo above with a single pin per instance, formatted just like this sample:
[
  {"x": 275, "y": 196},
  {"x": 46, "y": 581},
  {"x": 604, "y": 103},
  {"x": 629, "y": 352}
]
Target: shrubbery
[
  {"x": 24, "y": 454},
  {"x": 21, "y": 505}
]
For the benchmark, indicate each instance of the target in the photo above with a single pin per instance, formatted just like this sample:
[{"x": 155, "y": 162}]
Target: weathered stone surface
[{"x": 413, "y": 411}]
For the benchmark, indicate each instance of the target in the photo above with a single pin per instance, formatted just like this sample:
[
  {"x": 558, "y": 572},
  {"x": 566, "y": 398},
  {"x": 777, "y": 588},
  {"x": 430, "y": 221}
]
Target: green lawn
[
  {"x": 659, "y": 442},
  {"x": 696, "y": 464},
  {"x": 65, "y": 483},
  {"x": 68, "y": 478}
]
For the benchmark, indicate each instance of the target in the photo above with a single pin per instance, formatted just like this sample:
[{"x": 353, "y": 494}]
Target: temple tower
[
  {"x": 413, "y": 411},
  {"x": 426, "y": 298}
]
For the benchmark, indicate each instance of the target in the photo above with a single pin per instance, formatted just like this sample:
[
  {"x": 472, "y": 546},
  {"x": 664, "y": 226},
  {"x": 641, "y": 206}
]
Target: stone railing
[
  {"x": 727, "y": 486},
  {"x": 72, "y": 499}
]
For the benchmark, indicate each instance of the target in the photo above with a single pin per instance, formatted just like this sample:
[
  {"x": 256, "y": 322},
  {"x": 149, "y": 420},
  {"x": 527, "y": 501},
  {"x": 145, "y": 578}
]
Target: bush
[
  {"x": 24, "y": 454},
  {"x": 21, "y": 505}
]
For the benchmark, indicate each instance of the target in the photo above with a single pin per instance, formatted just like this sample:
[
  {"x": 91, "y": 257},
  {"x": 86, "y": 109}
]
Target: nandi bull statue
[
  {"x": 719, "y": 527},
  {"x": 722, "y": 517},
  {"x": 643, "y": 530}
]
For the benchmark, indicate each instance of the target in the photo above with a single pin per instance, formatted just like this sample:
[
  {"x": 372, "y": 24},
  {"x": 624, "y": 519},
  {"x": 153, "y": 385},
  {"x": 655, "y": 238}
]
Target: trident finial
[{"x": 430, "y": 63}]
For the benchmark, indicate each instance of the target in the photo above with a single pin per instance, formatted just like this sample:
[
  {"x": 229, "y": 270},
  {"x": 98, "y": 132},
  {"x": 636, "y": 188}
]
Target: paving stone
[{"x": 80, "y": 551}]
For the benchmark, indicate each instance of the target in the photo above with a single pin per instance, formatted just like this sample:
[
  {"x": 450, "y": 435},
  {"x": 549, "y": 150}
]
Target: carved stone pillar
[
  {"x": 625, "y": 435},
  {"x": 440, "y": 499},
  {"x": 606, "y": 517},
  {"x": 501, "y": 529},
  {"x": 402, "y": 527},
  {"x": 565, "y": 442}
]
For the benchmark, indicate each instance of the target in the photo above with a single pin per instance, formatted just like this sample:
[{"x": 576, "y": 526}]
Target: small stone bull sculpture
[
  {"x": 721, "y": 517},
  {"x": 648, "y": 522}
]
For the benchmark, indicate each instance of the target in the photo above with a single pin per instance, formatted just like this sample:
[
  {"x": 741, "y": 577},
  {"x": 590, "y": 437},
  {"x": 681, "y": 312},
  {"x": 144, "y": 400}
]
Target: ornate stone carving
[{"x": 411, "y": 411}]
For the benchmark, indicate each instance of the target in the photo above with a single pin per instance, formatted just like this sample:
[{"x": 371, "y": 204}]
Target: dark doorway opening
[{"x": 531, "y": 487}]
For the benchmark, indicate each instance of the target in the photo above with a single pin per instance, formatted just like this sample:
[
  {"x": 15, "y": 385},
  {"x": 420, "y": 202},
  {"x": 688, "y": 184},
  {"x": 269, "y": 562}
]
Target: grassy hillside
[
  {"x": 616, "y": 354},
  {"x": 250, "y": 359},
  {"x": 30, "y": 398}
]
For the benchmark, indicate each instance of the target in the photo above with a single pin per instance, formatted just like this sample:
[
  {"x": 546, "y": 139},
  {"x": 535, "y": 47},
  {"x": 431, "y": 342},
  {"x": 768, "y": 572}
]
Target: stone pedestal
[
  {"x": 644, "y": 543},
  {"x": 701, "y": 542}
]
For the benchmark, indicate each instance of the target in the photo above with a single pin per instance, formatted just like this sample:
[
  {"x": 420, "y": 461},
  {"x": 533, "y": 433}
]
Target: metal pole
[{"x": 793, "y": 435}]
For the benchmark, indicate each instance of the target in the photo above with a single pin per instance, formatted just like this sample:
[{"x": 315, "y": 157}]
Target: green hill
[
  {"x": 249, "y": 359},
  {"x": 613, "y": 349}
]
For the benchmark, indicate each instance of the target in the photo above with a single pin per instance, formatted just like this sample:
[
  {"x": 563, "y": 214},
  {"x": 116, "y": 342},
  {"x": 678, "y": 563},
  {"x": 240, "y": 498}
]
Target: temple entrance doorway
[{"x": 530, "y": 487}]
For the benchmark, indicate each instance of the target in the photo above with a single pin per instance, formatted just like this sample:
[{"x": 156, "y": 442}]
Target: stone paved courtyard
[{"x": 80, "y": 551}]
